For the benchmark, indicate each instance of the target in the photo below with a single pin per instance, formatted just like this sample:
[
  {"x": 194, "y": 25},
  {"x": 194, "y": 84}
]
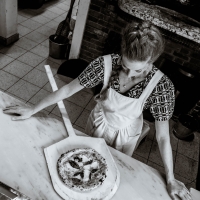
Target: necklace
[{"x": 125, "y": 84}]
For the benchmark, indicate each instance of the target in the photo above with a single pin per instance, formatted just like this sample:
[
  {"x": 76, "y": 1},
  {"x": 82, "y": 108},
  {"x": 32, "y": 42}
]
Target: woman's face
[{"x": 134, "y": 68}]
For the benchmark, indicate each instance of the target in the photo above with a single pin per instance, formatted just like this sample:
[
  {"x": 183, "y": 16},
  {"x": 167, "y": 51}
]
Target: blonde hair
[{"x": 139, "y": 42}]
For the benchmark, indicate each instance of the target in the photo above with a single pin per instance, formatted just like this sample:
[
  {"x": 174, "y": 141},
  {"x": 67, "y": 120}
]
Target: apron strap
[
  {"x": 151, "y": 85},
  {"x": 107, "y": 71}
]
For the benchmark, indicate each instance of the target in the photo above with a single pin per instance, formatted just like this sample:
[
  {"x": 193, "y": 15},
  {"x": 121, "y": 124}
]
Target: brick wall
[
  {"x": 104, "y": 16},
  {"x": 183, "y": 55}
]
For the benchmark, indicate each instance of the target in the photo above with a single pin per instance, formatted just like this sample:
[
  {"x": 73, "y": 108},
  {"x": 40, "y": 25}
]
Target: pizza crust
[{"x": 82, "y": 169}]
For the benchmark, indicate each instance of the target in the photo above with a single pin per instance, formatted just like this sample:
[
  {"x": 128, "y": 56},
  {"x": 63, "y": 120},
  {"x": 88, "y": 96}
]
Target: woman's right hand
[{"x": 23, "y": 111}]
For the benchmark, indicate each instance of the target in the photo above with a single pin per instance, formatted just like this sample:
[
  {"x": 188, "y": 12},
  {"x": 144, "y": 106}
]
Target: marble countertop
[
  {"x": 163, "y": 17},
  {"x": 23, "y": 165}
]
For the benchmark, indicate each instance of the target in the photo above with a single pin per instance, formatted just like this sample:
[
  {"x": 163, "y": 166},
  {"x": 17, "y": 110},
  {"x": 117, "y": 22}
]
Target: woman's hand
[
  {"x": 23, "y": 111},
  {"x": 177, "y": 190}
]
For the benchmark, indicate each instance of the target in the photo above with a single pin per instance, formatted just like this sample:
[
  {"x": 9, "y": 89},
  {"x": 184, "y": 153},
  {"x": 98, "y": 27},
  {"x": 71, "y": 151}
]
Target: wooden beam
[
  {"x": 8, "y": 21},
  {"x": 79, "y": 28}
]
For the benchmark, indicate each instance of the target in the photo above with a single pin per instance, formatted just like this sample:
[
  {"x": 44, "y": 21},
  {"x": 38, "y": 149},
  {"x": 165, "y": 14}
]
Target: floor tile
[
  {"x": 54, "y": 66},
  {"x": 41, "y": 19},
  {"x": 52, "y": 24},
  {"x": 82, "y": 119},
  {"x": 38, "y": 11},
  {"x": 191, "y": 185},
  {"x": 26, "y": 13},
  {"x": 68, "y": 2},
  {"x": 171, "y": 125},
  {"x": 42, "y": 113},
  {"x": 50, "y": 4},
  {"x": 80, "y": 98},
  {"x": 51, "y": 115},
  {"x": 59, "y": 61},
  {"x": 73, "y": 110},
  {"x": 18, "y": 98},
  {"x": 141, "y": 159},
  {"x": 21, "y": 18},
  {"x": 89, "y": 90},
  {"x": 144, "y": 148},
  {"x": 25, "y": 43},
  {"x": 90, "y": 106},
  {"x": 36, "y": 77},
  {"x": 18, "y": 68},
  {"x": 56, "y": 10},
  {"x": 31, "y": 59},
  {"x": 40, "y": 50},
  {"x": 4, "y": 60},
  {"x": 189, "y": 149},
  {"x": 50, "y": 108},
  {"x": 36, "y": 36},
  {"x": 31, "y": 24},
  {"x": 152, "y": 131},
  {"x": 22, "y": 30},
  {"x": 23, "y": 90},
  {"x": 63, "y": 6},
  {"x": 59, "y": 18},
  {"x": 155, "y": 166},
  {"x": 79, "y": 128},
  {"x": 46, "y": 43},
  {"x": 13, "y": 51},
  {"x": 173, "y": 139},
  {"x": 7, "y": 80},
  {"x": 39, "y": 96},
  {"x": 155, "y": 155},
  {"x": 186, "y": 167},
  {"x": 183, "y": 180},
  {"x": 58, "y": 82},
  {"x": 50, "y": 15},
  {"x": 45, "y": 30}
]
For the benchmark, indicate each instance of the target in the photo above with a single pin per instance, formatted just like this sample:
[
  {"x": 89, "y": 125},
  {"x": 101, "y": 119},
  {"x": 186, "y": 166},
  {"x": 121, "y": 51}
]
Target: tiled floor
[{"x": 23, "y": 76}]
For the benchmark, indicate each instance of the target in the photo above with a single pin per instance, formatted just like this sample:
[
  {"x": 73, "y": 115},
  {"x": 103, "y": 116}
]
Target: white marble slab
[{"x": 23, "y": 165}]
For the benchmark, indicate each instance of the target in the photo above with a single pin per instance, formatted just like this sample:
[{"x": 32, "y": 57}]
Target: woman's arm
[
  {"x": 63, "y": 93},
  {"x": 175, "y": 187},
  {"x": 162, "y": 136},
  {"x": 25, "y": 111}
]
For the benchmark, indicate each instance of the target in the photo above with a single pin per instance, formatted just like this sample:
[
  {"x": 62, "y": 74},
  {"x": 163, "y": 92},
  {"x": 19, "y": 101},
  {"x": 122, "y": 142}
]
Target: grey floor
[{"x": 23, "y": 76}]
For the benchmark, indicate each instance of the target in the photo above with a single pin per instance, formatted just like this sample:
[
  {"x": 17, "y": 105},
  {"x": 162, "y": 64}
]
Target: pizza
[{"x": 82, "y": 169}]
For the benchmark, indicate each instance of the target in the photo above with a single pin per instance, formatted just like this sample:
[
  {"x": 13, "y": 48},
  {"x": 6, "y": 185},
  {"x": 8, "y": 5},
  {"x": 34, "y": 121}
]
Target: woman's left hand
[{"x": 177, "y": 190}]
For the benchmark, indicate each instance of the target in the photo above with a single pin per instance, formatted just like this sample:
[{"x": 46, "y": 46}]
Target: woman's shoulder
[
  {"x": 165, "y": 82},
  {"x": 100, "y": 60}
]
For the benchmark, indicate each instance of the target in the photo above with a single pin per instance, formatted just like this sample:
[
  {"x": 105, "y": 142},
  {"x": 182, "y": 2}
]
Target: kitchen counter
[
  {"x": 162, "y": 17},
  {"x": 23, "y": 165}
]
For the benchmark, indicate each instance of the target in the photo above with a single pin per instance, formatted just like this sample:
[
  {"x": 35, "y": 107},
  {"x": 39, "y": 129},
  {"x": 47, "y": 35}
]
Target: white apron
[{"x": 119, "y": 119}]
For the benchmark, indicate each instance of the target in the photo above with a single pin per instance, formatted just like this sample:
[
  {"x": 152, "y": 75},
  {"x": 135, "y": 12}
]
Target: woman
[{"x": 131, "y": 84}]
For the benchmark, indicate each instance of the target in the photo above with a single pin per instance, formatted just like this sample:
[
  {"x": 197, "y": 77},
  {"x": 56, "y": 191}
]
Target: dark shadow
[
  {"x": 198, "y": 175},
  {"x": 33, "y": 4}
]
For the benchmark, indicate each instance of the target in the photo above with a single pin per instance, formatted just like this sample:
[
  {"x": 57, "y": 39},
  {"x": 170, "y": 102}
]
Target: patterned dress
[{"x": 161, "y": 101}]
